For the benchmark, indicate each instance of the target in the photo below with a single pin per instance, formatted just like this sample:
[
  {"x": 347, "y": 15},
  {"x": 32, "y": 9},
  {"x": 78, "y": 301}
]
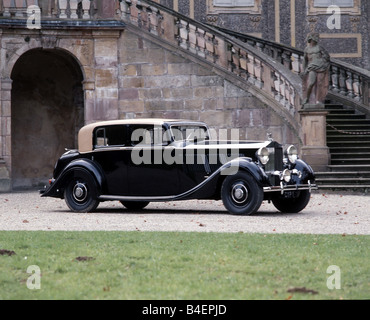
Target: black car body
[{"x": 144, "y": 160}]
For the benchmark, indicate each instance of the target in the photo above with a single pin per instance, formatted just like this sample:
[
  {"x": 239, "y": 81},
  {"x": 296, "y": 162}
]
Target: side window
[
  {"x": 111, "y": 136},
  {"x": 148, "y": 136}
]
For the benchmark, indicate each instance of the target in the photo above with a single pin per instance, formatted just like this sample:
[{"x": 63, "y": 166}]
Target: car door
[
  {"x": 109, "y": 144},
  {"x": 148, "y": 173}
]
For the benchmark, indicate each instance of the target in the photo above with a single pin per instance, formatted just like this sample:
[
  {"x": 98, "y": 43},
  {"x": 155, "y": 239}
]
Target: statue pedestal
[{"x": 315, "y": 151}]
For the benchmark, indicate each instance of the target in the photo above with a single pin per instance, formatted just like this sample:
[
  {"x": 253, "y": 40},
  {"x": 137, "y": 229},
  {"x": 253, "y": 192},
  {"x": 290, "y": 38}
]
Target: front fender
[
  {"x": 56, "y": 189},
  {"x": 306, "y": 172},
  {"x": 248, "y": 165}
]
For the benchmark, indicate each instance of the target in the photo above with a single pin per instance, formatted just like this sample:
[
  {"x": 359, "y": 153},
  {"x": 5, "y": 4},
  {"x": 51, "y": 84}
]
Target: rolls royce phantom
[{"x": 145, "y": 160}]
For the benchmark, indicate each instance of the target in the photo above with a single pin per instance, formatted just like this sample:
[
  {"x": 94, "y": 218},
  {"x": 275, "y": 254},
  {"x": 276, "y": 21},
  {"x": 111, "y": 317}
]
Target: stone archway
[{"x": 47, "y": 110}]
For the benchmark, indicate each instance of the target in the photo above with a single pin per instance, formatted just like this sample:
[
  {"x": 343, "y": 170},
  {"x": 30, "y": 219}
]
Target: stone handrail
[
  {"x": 346, "y": 81},
  {"x": 241, "y": 61}
]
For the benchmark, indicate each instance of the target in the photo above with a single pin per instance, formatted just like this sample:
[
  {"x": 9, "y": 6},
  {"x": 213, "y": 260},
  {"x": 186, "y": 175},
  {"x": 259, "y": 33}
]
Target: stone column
[
  {"x": 5, "y": 135},
  {"x": 315, "y": 151}
]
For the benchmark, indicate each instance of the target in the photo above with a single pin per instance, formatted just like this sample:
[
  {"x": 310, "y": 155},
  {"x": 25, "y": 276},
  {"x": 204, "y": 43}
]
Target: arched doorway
[{"x": 47, "y": 111}]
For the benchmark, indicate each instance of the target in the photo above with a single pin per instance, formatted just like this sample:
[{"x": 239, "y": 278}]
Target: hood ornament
[{"x": 269, "y": 136}]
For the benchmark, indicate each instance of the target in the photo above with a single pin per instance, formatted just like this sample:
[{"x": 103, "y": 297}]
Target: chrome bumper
[{"x": 286, "y": 188}]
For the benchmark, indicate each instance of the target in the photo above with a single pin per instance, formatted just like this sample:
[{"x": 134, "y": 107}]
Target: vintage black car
[{"x": 144, "y": 160}]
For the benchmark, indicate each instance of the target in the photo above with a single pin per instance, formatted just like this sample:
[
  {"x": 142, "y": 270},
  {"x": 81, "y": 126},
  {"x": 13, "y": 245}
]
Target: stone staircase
[{"x": 348, "y": 138}]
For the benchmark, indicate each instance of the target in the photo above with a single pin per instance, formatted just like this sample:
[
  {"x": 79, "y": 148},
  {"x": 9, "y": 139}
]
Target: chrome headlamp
[
  {"x": 263, "y": 155},
  {"x": 292, "y": 154},
  {"x": 286, "y": 175}
]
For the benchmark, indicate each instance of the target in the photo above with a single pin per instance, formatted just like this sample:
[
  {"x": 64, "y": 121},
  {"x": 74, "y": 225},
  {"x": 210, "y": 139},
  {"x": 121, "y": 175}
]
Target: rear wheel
[
  {"x": 81, "y": 192},
  {"x": 241, "y": 194}
]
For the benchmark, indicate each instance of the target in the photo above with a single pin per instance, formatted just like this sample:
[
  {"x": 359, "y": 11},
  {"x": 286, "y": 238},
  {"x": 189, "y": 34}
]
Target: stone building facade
[
  {"x": 344, "y": 32},
  {"x": 82, "y": 65}
]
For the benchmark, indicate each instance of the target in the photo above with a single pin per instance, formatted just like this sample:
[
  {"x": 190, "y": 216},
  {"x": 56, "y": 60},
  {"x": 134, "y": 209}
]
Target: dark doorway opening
[{"x": 47, "y": 112}]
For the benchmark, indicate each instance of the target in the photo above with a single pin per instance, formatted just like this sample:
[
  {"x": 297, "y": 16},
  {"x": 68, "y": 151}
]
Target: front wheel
[
  {"x": 81, "y": 193},
  {"x": 292, "y": 204},
  {"x": 241, "y": 194}
]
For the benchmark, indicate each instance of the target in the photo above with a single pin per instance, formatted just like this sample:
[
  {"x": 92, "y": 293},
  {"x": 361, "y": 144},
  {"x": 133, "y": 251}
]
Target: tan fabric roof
[{"x": 85, "y": 135}]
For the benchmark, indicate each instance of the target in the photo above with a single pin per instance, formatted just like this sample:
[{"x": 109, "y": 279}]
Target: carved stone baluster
[
  {"x": 356, "y": 87},
  {"x": 221, "y": 47},
  {"x": 349, "y": 84},
  {"x": 334, "y": 79},
  {"x": 260, "y": 46},
  {"x": 250, "y": 64},
  {"x": 6, "y": 6},
  {"x": 73, "y": 6},
  {"x": 63, "y": 9},
  {"x": 342, "y": 82},
  {"x": 201, "y": 43},
  {"x": 153, "y": 21},
  {"x": 192, "y": 38},
  {"x": 86, "y": 8},
  {"x": 243, "y": 64},
  {"x": 233, "y": 61},
  {"x": 184, "y": 33},
  {"x": 282, "y": 91},
  {"x": 292, "y": 99},
  {"x": 295, "y": 63},
  {"x": 277, "y": 86},
  {"x": 143, "y": 16},
  {"x": 20, "y": 8},
  {"x": 210, "y": 48},
  {"x": 258, "y": 73},
  {"x": 134, "y": 13},
  {"x": 286, "y": 59}
]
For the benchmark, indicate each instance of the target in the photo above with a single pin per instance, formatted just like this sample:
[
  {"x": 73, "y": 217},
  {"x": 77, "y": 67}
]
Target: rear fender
[{"x": 56, "y": 189}]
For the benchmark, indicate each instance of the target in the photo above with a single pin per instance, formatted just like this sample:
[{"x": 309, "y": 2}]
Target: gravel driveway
[{"x": 325, "y": 214}]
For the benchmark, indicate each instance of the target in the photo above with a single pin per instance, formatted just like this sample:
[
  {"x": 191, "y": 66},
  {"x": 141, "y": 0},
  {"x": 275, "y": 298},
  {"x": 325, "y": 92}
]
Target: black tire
[
  {"x": 81, "y": 192},
  {"x": 292, "y": 204},
  {"x": 135, "y": 205},
  {"x": 241, "y": 194}
]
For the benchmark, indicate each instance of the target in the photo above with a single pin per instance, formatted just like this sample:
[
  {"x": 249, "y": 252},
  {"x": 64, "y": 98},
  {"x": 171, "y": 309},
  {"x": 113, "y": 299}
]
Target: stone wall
[{"x": 154, "y": 82}]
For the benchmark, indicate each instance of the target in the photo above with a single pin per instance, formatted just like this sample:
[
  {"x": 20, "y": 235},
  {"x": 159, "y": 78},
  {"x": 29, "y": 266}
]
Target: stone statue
[{"x": 316, "y": 66}]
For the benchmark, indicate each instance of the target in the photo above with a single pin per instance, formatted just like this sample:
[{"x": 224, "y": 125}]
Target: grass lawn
[{"x": 177, "y": 265}]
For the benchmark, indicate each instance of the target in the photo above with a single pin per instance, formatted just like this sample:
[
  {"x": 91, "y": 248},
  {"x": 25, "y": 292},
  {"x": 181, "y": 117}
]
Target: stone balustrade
[
  {"x": 62, "y": 9},
  {"x": 246, "y": 63},
  {"x": 346, "y": 81}
]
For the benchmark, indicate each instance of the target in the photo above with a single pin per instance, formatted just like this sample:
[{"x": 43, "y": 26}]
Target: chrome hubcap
[
  {"x": 80, "y": 192},
  {"x": 239, "y": 193}
]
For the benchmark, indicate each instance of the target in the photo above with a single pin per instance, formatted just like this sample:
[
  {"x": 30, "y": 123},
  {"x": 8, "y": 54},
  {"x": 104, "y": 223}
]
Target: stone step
[
  {"x": 347, "y": 137},
  {"x": 348, "y": 168},
  {"x": 341, "y": 112},
  {"x": 339, "y": 121},
  {"x": 342, "y": 174},
  {"x": 349, "y": 127},
  {"x": 348, "y": 143},
  {"x": 347, "y": 161},
  {"x": 350, "y": 155},
  {"x": 341, "y": 116}
]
